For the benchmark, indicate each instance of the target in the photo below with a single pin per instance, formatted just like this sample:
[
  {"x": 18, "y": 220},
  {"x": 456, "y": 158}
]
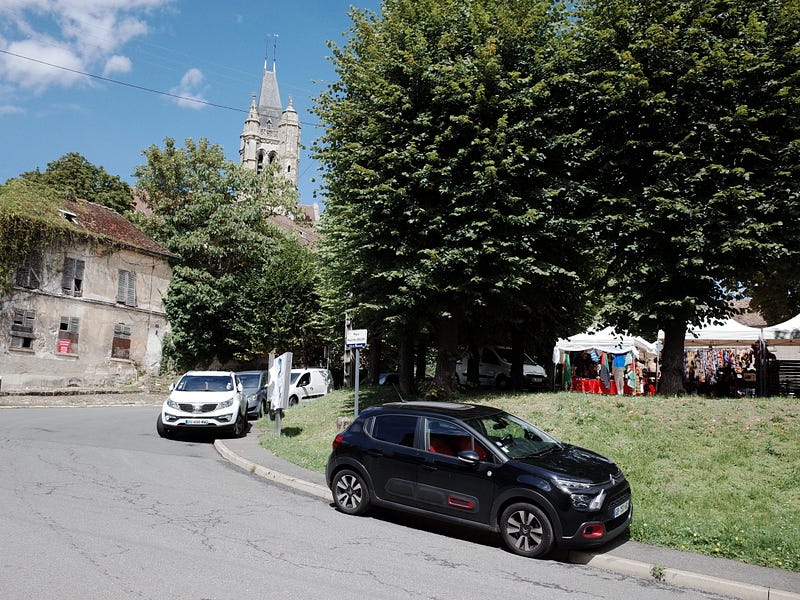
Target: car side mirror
[
  {"x": 171, "y": 386},
  {"x": 240, "y": 387},
  {"x": 469, "y": 457}
]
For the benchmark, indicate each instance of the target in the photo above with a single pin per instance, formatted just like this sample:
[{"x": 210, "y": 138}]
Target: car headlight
[
  {"x": 172, "y": 404},
  {"x": 580, "y": 494},
  {"x": 251, "y": 397},
  {"x": 225, "y": 404},
  {"x": 570, "y": 485}
]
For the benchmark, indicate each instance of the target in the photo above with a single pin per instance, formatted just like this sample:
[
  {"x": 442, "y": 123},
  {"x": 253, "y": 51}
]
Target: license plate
[
  {"x": 195, "y": 421},
  {"x": 621, "y": 509}
]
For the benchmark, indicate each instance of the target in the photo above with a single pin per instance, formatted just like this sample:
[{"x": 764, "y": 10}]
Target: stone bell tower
[{"x": 271, "y": 134}]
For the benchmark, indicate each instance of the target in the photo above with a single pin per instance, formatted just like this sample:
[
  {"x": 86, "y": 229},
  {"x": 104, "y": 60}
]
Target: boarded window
[
  {"x": 22, "y": 335},
  {"x": 121, "y": 344},
  {"x": 68, "y": 335},
  {"x": 126, "y": 288},
  {"x": 30, "y": 272},
  {"x": 72, "y": 277}
]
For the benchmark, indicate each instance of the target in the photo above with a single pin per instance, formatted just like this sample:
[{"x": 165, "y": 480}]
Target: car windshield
[
  {"x": 250, "y": 380},
  {"x": 505, "y": 354},
  {"x": 513, "y": 436},
  {"x": 205, "y": 383}
]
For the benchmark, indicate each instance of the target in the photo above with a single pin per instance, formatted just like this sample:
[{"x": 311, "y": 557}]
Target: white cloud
[
  {"x": 117, "y": 64},
  {"x": 8, "y": 109},
  {"x": 32, "y": 67},
  {"x": 189, "y": 89},
  {"x": 86, "y": 34}
]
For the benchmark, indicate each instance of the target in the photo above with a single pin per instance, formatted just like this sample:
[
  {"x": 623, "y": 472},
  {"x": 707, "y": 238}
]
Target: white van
[
  {"x": 309, "y": 383},
  {"x": 494, "y": 368}
]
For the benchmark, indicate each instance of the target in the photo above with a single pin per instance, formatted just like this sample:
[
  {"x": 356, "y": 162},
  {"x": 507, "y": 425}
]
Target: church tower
[{"x": 271, "y": 133}]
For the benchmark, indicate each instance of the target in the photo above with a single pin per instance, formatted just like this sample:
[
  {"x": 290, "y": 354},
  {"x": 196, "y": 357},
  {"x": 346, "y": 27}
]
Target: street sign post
[{"x": 356, "y": 338}]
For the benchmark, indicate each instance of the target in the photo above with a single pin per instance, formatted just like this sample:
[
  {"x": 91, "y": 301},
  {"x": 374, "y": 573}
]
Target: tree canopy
[
  {"x": 440, "y": 213},
  {"x": 683, "y": 124},
  {"x": 242, "y": 287},
  {"x": 73, "y": 175}
]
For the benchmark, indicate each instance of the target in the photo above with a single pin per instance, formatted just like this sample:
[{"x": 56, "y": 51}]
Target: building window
[
  {"x": 29, "y": 273},
  {"x": 22, "y": 328},
  {"x": 126, "y": 288},
  {"x": 121, "y": 344},
  {"x": 72, "y": 277},
  {"x": 68, "y": 335},
  {"x": 260, "y": 162}
]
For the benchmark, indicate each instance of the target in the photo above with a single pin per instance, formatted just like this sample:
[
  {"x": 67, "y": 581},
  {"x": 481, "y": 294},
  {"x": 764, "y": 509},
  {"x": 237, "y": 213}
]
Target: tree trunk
[
  {"x": 405, "y": 364},
  {"x": 374, "y": 367},
  {"x": 445, "y": 377},
  {"x": 672, "y": 358},
  {"x": 421, "y": 362}
]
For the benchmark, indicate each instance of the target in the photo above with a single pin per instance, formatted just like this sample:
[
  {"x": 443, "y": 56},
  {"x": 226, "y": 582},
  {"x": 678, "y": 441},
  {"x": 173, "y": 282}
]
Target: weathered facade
[{"x": 86, "y": 314}]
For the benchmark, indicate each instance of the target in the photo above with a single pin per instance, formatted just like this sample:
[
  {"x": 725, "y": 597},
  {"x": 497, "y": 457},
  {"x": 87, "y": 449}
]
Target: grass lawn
[{"x": 715, "y": 476}]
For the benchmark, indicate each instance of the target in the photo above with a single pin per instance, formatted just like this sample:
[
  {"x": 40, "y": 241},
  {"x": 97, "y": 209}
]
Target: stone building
[
  {"x": 271, "y": 133},
  {"x": 86, "y": 311}
]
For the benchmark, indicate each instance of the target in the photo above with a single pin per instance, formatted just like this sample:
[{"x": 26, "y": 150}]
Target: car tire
[
  {"x": 526, "y": 530},
  {"x": 350, "y": 492},
  {"x": 501, "y": 382},
  {"x": 293, "y": 400},
  {"x": 161, "y": 429},
  {"x": 240, "y": 426}
]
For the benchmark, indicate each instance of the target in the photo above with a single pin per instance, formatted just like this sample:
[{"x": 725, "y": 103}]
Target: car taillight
[{"x": 337, "y": 441}]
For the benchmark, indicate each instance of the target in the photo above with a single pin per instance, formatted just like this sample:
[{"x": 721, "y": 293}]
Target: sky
[{"x": 110, "y": 78}]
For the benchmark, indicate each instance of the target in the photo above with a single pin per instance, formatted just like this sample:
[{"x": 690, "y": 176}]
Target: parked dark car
[
  {"x": 479, "y": 466},
  {"x": 255, "y": 389}
]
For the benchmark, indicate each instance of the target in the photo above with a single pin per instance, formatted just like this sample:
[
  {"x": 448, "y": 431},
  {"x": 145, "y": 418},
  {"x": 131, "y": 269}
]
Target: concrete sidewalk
[{"x": 684, "y": 569}]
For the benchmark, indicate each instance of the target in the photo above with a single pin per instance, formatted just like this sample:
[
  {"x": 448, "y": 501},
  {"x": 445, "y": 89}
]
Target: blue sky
[{"x": 209, "y": 50}]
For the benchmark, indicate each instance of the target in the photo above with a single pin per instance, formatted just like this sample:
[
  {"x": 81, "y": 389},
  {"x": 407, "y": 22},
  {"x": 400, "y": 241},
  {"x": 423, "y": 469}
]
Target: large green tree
[
  {"x": 440, "y": 213},
  {"x": 684, "y": 128},
  {"x": 73, "y": 175},
  {"x": 242, "y": 287}
]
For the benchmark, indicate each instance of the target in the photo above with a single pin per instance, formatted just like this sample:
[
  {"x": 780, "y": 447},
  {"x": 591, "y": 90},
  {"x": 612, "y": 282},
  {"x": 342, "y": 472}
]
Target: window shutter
[
  {"x": 126, "y": 288},
  {"x": 68, "y": 275}
]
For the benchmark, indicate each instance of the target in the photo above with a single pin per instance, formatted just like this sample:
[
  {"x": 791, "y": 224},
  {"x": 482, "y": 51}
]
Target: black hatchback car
[{"x": 479, "y": 466}]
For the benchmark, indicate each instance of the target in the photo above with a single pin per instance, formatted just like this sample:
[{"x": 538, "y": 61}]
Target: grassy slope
[{"x": 711, "y": 475}]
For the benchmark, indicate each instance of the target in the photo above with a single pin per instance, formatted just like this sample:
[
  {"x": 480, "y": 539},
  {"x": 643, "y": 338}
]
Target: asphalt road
[{"x": 96, "y": 505}]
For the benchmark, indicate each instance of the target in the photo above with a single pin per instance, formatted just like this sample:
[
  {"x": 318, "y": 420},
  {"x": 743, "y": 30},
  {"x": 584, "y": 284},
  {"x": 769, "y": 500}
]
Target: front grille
[{"x": 202, "y": 408}]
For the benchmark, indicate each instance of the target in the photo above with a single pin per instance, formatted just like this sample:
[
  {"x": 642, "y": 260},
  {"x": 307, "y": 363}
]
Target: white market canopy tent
[
  {"x": 605, "y": 340},
  {"x": 729, "y": 333},
  {"x": 784, "y": 333}
]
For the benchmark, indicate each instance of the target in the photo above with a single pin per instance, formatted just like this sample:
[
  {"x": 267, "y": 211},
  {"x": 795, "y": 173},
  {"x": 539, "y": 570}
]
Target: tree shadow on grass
[{"x": 291, "y": 431}]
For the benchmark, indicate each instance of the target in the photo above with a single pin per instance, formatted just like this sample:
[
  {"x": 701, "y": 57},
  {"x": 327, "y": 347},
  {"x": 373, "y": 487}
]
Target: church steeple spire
[{"x": 271, "y": 134}]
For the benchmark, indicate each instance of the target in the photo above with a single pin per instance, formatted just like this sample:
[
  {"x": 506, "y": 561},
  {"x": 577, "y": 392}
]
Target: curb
[
  {"x": 606, "y": 562},
  {"x": 677, "y": 577},
  {"x": 293, "y": 482}
]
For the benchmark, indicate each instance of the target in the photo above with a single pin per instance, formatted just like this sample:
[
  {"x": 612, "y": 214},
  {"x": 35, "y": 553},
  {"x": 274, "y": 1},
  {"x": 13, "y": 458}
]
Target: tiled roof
[
  {"x": 747, "y": 317},
  {"x": 101, "y": 221}
]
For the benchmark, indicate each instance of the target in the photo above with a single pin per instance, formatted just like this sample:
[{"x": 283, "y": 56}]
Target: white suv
[{"x": 205, "y": 400}]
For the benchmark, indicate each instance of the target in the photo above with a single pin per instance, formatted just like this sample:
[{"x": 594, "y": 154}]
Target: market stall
[
  {"x": 603, "y": 361},
  {"x": 722, "y": 359}
]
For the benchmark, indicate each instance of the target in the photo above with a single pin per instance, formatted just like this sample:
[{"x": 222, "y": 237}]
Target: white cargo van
[
  {"x": 494, "y": 368},
  {"x": 309, "y": 383}
]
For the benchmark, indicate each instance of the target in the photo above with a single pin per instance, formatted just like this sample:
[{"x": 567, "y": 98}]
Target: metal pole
[{"x": 358, "y": 362}]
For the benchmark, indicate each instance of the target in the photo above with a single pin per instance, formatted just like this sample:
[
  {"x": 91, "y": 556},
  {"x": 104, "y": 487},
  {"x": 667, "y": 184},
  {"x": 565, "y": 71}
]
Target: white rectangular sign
[{"x": 356, "y": 338}]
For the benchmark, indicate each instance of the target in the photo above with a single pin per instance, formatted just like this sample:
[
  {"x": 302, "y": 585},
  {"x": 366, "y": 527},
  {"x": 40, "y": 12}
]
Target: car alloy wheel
[
  {"x": 526, "y": 530},
  {"x": 350, "y": 492}
]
